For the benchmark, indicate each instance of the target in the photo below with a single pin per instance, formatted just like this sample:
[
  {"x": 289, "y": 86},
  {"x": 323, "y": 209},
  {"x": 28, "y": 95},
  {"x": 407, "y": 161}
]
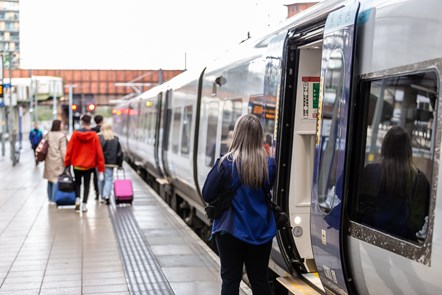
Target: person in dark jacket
[
  {"x": 85, "y": 154},
  {"x": 98, "y": 121},
  {"x": 245, "y": 231},
  {"x": 35, "y": 136},
  {"x": 113, "y": 157}
]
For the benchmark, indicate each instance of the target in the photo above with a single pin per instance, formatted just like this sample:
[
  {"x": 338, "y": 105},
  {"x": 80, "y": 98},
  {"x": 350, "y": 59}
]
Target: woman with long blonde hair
[
  {"x": 244, "y": 232},
  {"x": 112, "y": 159}
]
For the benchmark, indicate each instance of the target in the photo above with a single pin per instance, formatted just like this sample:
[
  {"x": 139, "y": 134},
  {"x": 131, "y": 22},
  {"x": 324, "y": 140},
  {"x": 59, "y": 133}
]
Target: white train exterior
[{"x": 327, "y": 84}]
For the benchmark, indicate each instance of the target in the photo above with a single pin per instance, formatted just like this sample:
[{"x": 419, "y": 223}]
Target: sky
[{"x": 138, "y": 34}]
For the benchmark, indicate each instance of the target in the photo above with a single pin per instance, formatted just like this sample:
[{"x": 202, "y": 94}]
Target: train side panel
[{"x": 400, "y": 69}]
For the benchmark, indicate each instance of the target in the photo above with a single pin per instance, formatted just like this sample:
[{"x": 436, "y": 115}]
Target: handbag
[
  {"x": 42, "y": 150},
  {"x": 66, "y": 181},
  {"x": 221, "y": 203},
  {"x": 281, "y": 218}
]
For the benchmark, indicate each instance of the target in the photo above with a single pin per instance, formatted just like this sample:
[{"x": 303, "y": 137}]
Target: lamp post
[
  {"x": 3, "y": 122},
  {"x": 71, "y": 90},
  {"x": 54, "y": 99}
]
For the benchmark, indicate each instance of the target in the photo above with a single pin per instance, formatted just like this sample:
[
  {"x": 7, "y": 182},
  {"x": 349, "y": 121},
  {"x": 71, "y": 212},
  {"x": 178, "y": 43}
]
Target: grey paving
[{"x": 48, "y": 250}]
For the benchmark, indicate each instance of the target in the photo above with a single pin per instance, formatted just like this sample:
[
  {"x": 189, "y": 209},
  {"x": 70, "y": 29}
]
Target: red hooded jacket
[{"x": 84, "y": 151}]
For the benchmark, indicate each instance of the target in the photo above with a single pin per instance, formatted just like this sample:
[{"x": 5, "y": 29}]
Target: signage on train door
[
  {"x": 310, "y": 97},
  {"x": 328, "y": 180}
]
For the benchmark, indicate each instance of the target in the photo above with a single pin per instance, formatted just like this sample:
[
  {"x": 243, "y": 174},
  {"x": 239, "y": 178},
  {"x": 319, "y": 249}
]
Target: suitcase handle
[{"x": 124, "y": 173}]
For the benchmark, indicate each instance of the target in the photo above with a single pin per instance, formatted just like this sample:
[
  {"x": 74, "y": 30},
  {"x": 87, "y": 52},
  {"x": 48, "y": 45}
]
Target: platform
[{"x": 140, "y": 249}]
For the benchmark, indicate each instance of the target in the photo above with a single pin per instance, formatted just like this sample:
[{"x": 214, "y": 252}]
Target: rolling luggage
[
  {"x": 123, "y": 190},
  {"x": 62, "y": 198}
]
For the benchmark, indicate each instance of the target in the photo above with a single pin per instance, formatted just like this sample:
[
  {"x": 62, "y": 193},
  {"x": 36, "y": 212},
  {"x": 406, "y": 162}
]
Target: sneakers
[
  {"x": 77, "y": 204},
  {"x": 83, "y": 208}
]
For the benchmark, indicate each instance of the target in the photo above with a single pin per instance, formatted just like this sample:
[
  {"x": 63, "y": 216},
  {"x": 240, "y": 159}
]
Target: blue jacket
[
  {"x": 249, "y": 218},
  {"x": 35, "y": 137}
]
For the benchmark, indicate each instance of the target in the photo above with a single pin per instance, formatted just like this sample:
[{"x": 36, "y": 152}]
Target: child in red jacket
[{"x": 84, "y": 153}]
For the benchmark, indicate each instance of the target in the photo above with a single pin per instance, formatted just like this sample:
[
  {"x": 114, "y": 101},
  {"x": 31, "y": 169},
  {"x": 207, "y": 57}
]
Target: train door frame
[
  {"x": 197, "y": 132},
  {"x": 296, "y": 38},
  {"x": 158, "y": 122},
  {"x": 328, "y": 198}
]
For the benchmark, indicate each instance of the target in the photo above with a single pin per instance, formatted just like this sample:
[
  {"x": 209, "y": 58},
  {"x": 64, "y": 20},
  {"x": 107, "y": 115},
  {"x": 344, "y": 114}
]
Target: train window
[
  {"x": 153, "y": 118},
  {"x": 185, "y": 135},
  {"x": 175, "y": 131},
  {"x": 147, "y": 126},
  {"x": 212, "y": 125},
  {"x": 232, "y": 110},
  {"x": 334, "y": 75},
  {"x": 394, "y": 179}
]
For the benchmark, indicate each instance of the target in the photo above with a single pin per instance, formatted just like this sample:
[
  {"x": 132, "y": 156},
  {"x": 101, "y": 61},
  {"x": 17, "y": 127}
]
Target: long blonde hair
[
  {"x": 247, "y": 152},
  {"x": 106, "y": 131}
]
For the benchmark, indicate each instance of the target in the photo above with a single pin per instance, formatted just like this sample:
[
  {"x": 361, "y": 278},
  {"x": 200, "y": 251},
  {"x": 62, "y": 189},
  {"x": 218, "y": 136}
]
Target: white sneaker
[
  {"x": 83, "y": 208},
  {"x": 77, "y": 204}
]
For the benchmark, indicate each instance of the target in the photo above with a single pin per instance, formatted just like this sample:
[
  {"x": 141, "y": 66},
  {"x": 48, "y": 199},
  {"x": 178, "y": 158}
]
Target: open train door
[{"x": 330, "y": 148}]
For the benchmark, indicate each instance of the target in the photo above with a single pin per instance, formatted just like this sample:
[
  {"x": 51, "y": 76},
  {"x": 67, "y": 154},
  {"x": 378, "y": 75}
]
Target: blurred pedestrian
[
  {"x": 84, "y": 153},
  {"x": 54, "y": 161},
  {"x": 113, "y": 158},
  {"x": 35, "y": 136},
  {"x": 98, "y": 121},
  {"x": 244, "y": 232}
]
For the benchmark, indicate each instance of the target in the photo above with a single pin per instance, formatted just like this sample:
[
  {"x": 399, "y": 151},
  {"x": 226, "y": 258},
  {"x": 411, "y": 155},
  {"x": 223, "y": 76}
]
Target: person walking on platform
[
  {"x": 84, "y": 153},
  {"x": 35, "y": 136},
  {"x": 98, "y": 121},
  {"x": 113, "y": 157},
  {"x": 54, "y": 161},
  {"x": 244, "y": 232}
]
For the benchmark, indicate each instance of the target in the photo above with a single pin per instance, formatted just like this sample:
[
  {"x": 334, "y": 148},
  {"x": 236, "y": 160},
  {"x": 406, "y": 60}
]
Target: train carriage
[{"x": 327, "y": 84}]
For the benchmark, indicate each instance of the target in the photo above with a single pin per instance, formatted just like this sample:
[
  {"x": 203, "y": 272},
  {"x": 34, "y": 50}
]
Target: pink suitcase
[{"x": 123, "y": 190}]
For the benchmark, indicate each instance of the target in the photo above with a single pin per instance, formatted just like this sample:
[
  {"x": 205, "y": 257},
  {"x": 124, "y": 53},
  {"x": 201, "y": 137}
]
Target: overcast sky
[{"x": 137, "y": 34}]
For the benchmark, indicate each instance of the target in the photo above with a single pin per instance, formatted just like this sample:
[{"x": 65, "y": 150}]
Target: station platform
[{"x": 140, "y": 249}]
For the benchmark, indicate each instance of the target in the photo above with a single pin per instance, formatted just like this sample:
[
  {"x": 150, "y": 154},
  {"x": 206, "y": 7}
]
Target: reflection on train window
[
  {"x": 331, "y": 143},
  {"x": 153, "y": 119},
  {"x": 396, "y": 170},
  {"x": 175, "y": 131},
  {"x": 185, "y": 135},
  {"x": 232, "y": 110},
  {"x": 264, "y": 108},
  {"x": 212, "y": 125},
  {"x": 148, "y": 126},
  {"x": 132, "y": 120}
]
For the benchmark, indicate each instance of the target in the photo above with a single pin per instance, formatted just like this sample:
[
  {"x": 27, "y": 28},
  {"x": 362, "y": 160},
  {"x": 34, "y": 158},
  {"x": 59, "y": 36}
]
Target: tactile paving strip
[{"x": 143, "y": 272}]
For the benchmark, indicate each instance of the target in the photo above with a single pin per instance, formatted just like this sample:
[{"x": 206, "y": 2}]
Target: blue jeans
[
  {"x": 105, "y": 185},
  {"x": 52, "y": 187}
]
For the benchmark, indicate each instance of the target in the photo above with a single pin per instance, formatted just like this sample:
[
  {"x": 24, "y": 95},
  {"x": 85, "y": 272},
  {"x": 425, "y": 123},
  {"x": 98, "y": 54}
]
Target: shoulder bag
[
  {"x": 221, "y": 203},
  {"x": 281, "y": 218},
  {"x": 66, "y": 181},
  {"x": 42, "y": 150}
]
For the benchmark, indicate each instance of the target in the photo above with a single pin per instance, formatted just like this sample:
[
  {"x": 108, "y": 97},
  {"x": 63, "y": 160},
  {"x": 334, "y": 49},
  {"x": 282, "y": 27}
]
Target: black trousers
[
  {"x": 95, "y": 172},
  {"x": 234, "y": 254},
  {"x": 86, "y": 176}
]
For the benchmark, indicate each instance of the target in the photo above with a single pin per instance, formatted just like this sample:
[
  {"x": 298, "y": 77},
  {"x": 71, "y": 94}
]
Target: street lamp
[{"x": 71, "y": 88}]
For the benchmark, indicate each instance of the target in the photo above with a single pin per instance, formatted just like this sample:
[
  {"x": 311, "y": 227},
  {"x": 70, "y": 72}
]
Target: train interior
[{"x": 306, "y": 97}]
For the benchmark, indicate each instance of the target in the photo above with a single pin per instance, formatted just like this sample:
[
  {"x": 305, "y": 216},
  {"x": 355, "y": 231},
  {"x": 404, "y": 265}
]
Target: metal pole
[
  {"x": 31, "y": 98},
  {"x": 36, "y": 101},
  {"x": 54, "y": 110},
  {"x": 4, "y": 110},
  {"x": 71, "y": 86}
]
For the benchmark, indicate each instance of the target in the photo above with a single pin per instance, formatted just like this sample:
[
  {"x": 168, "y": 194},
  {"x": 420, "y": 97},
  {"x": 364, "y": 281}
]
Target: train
[{"x": 327, "y": 85}]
